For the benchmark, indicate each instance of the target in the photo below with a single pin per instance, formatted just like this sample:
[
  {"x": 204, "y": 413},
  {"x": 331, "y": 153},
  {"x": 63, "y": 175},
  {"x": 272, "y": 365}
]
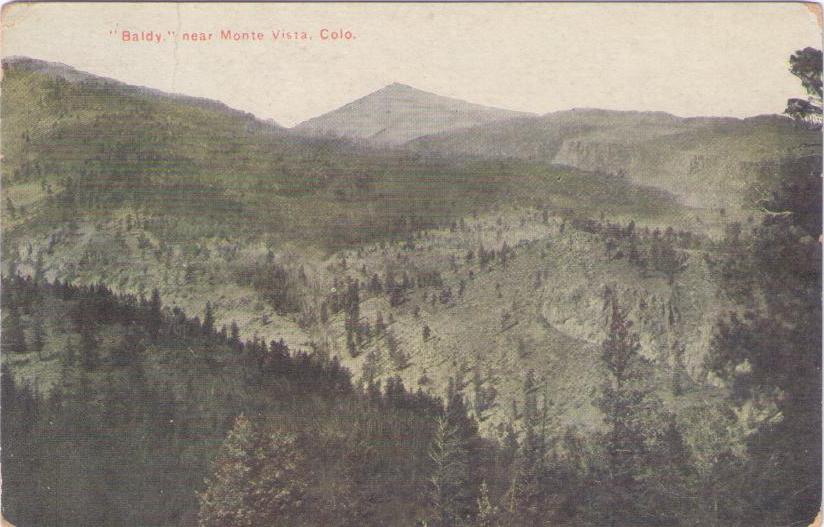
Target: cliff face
[
  {"x": 708, "y": 164},
  {"x": 671, "y": 320},
  {"x": 703, "y": 177},
  {"x": 666, "y": 320}
]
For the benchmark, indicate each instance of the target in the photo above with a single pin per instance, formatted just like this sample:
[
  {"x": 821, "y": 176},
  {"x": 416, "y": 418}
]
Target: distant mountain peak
[
  {"x": 397, "y": 87},
  {"x": 399, "y": 113}
]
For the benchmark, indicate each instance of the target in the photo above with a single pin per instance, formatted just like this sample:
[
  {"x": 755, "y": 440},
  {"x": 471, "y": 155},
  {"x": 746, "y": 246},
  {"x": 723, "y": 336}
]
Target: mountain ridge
[{"x": 73, "y": 75}]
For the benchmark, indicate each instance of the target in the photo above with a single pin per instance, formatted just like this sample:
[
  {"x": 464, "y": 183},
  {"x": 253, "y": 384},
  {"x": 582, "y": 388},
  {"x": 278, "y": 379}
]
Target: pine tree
[
  {"x": 10, "y": 208},
  {"x": 350, "y": 343},
  {"x": 375, "y": 286},
  {"x": 258, "y": 478},
  {"x": 13, "y": 338},
  {"x": 380, "y": 325},
  {"x": 679, "y": 369},
  {"x": 234, "y": 335},
  {"x": 128, "y": 350},
  {"x": 69, "y": 357},
  {"x": 352, "y": 305},
  {"x": 155, "y": 318},
  {"x": 533, "y": 442},
  {"x": 479, "y": 393},
  {"x": 772, "y": 352},
  {"x": 487, "y": 513},
  {"x": 209, "y": 320},
  {"x": 510, "y": 444},
  {"x": 666, "y": 259},
  {"x": 806, "y": 65},
  {"x": 39, "y": 269},
  {"x": 324, "y": 312},
  {"x": 397, "y": 296},
  {"x": 527, "y": 490},
  {"x": 371, "y": 367},
  {"x": 89, "y": 358},
  {"x": 450, "y": 472},
  {"x": 38, "y": 336},
  {"x": 629, "y": 407}
]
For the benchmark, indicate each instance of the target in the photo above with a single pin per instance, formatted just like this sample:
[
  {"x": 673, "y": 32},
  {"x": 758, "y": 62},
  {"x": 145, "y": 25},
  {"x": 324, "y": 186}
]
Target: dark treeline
[{"x": 146, "y": 321}]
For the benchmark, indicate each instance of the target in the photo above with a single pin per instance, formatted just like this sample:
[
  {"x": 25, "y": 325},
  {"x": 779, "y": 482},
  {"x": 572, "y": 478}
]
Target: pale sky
[{"x": 687, "y": 59}]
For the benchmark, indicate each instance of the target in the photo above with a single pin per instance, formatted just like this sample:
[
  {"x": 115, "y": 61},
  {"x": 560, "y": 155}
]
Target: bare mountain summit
[{"x": 399, "y": 113}]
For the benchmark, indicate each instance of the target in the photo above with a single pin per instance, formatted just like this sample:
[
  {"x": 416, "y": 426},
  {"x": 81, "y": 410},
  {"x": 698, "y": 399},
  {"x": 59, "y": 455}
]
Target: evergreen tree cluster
[{"x": 648, "y": 250}]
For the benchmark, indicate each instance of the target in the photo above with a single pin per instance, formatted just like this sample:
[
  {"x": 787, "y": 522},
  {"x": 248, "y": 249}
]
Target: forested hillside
[
  {"x": 143, "y": 396},
  {"x": 107, "y": 183},
  {"x": 77, "y": 146}
]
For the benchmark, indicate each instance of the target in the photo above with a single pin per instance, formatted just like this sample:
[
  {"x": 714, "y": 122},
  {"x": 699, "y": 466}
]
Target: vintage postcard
[{"x": 411, "y": 264}]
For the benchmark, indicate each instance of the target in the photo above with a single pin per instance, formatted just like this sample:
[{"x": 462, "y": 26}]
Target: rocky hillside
[{"x": 542, "y": 308}]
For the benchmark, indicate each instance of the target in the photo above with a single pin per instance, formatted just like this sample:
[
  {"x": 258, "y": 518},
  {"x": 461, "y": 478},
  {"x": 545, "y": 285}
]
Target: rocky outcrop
[{"x": 674, "y": 322}]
